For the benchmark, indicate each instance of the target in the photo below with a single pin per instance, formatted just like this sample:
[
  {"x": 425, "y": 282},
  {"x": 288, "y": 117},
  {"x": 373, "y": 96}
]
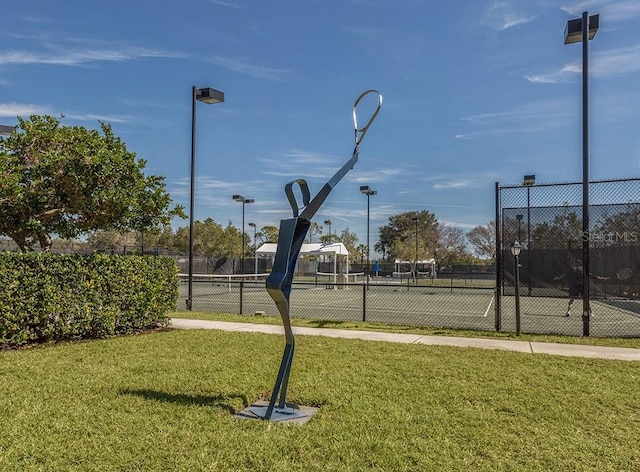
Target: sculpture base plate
[{"x": 290, "y": 413}]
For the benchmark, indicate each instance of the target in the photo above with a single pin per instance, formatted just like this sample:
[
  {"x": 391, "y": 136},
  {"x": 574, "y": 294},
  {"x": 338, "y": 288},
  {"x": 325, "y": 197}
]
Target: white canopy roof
[{"x": 309, "y": 248}]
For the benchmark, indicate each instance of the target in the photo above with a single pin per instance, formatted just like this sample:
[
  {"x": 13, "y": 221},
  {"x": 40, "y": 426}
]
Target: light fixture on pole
[
  {"x": 255, "y": 247},
  {"x": 244, "y": 201},
  {"x": 6, "y": 130},
  {"x": 328, "y": 222},
  {"x": 515, "y": 250},
  {"x": 528, "y": 181},
  {"x": 368, "y": 191},
  {"x": 582, "y": 30},
  {"x": 208, "y": 96}
]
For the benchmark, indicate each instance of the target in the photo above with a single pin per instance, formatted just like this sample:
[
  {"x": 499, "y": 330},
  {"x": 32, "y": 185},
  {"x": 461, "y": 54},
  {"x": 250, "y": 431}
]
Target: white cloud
[
  {"x": 526, "y": 118},
  {"x": 612, "y": 10},
  {"x": 502, "y": 15},
  {"x": 104, "y": 118},
  {"x": 13, "y": 109},
  {"x": 603, "y": 64},
  {"x": 226, "y": 4},
  {"x": 246, "y": 68},
  {"x": 70, "y": 57},
  {"x": 455, "y": 184}
]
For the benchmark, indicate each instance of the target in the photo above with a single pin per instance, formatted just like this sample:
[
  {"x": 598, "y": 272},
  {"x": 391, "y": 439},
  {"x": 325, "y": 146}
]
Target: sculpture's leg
[
  {"x": 283, "y": 373},
  {"x": 285, "y": 381},
  {"x": 282, "y": 380}
]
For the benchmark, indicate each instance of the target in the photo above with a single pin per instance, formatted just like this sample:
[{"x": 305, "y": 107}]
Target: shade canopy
[{"x": 309, "y": 249}]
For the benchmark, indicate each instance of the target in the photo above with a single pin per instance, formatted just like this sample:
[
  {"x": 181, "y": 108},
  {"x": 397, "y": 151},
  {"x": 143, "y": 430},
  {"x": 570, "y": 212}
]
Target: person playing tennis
[{"x": 576, "y": 285}]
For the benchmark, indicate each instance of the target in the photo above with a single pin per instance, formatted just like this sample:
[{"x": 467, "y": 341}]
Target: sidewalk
[{"x": 574, "y": 350}]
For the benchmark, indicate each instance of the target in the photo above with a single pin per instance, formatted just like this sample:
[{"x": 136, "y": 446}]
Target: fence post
[
  {"x": 241, "y": 290},
  {"x": 364, "y": 299},
  {"x": 498, "y": 321}
]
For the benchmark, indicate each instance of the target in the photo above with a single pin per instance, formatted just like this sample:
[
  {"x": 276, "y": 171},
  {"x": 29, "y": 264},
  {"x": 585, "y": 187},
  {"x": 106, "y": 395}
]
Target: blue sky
[{"x": 474, "y": 92}]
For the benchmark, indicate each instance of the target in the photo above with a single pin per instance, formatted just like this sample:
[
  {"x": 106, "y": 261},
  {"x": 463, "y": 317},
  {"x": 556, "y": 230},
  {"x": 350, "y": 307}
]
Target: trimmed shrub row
[{"x": 53, "y": 297}]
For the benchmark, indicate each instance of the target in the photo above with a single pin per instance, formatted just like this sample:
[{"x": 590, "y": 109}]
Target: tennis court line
[{"x": 486, "y": 312}]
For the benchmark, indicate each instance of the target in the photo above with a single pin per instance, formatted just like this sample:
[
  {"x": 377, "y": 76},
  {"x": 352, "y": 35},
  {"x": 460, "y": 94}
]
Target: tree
[
  {"x": 398, "y": 236},
  {"x": 314, "y": 228},
  {"x": 211, "y": 239},
  {"x": 361, "y": 253},
  {"x": 268, "y": 234},
  {"x": 561, "y": 233},
  {"x": 165, "y": 238},
  {"x": 349, "y": 240},
  {"x": 111, "y": 241},
  {"x": 451, "y": 246},
  {"x": 620, "y": 228},
  {"x": 68, "y": 181},
  {"x": 483, "y": 240}
]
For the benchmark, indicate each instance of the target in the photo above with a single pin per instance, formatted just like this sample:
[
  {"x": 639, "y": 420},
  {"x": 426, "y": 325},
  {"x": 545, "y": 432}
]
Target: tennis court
[{"x": 443, "y": 306}]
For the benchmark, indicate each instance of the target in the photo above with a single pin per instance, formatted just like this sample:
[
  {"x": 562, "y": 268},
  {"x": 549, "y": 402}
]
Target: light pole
[
  {"x": 368, "y": 191},
  {"x": 515, "y": 250},
  {"x": 244, "y": 201},
  {"x": 255, "y": 247},
  {"x": 528, "y": 181},
  {"x": 328, "y": 222},
  {"x": 415, "y": 218},
  {"x": 208, "y": 96},
  {"x": 582, "y": 30}
]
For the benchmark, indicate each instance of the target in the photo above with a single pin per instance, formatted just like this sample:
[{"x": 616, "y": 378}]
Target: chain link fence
[
  {"x": 451, "y": 303},
  {"x": 547, "y": 222}
]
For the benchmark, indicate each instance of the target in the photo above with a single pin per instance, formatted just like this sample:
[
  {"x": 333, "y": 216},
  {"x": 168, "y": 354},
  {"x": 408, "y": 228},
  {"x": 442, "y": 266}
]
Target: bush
[{"x": 52, "y": 297}]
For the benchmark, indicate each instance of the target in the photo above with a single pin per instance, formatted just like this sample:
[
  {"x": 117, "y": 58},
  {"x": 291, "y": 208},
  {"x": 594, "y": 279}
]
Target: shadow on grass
[
  {"x": 222, "y": 401},
  {"x": 328, "y": 323}
]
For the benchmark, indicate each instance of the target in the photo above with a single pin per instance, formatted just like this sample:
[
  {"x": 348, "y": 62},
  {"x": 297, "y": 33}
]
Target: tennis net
[
  {"x": 217, "y": 283},
  {"x": 338, "y": 279}
]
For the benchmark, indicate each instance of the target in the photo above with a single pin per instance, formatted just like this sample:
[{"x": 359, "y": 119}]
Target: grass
[
  {"x": 313, "y": 323},
  {"x": 165, "y": 401}
]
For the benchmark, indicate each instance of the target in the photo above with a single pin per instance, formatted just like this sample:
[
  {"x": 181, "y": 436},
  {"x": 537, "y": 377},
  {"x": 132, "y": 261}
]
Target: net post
[{"x": 241, "y": 290}]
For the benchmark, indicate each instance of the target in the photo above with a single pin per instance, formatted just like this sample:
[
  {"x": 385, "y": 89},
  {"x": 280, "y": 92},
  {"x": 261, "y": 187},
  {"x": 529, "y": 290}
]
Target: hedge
[{"x": 53, "y": 297}]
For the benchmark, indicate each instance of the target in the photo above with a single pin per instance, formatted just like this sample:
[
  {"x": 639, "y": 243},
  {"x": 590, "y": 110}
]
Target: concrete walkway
[{"x": 575, "y": 350}]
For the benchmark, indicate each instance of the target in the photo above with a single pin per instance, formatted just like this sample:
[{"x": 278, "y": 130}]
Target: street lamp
[
  {"x": 208, "y": 96},
  {"x": 244, "y": 201},
  {"x": 415, "y": 218},
  {"x": 528, "y": 181},
  {"x": 368, "y": 191},
  {"x": 515, "y": 250},
  {"x": 255, "y": 247},
  {"x": 582, "y": 30},
  {"x": 6, "y": 130},
  {"x": 328, "y": 222}
]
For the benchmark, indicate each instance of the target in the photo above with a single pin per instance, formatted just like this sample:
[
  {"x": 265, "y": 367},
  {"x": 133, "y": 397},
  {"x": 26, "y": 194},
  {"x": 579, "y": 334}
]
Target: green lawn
[
  {"x": 165, "y": 401},
  {"x": 613, "y": 342}
]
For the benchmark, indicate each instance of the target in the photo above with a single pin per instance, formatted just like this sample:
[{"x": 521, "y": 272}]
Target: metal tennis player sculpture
[{"x": 292, "y": 234}]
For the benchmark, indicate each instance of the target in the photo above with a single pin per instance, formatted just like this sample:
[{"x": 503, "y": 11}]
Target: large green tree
[
  {"x": 69, "y": 180},
  {"x": 268, "y": 234},
  {"x": 397, "y": 238},
  {"x": 211, "y": 239}
]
